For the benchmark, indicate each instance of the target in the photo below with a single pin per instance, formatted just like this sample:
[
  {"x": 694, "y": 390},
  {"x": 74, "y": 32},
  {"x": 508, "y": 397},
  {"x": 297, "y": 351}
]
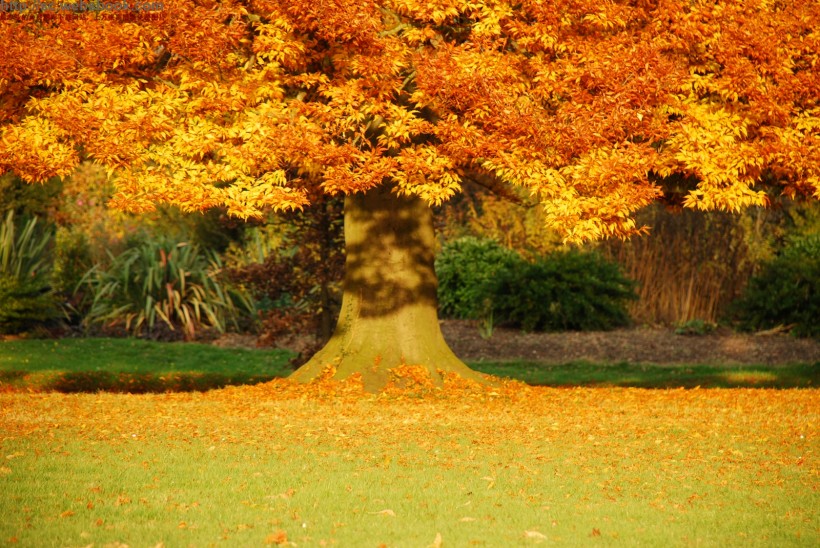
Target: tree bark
[{"x": 389, "y": 313}]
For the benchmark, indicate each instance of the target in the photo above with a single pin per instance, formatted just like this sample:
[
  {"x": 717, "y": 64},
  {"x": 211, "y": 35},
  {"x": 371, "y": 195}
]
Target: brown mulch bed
[{"x": 636, "y": 345}]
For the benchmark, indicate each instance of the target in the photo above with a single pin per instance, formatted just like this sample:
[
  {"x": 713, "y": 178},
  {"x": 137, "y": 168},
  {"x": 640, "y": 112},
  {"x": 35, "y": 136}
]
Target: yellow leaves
[
  {"x": 423, "y": 171},
  {"x": 713, "y": 144},
  {"x": 36, "y": 150},
  {"x": 401, "y": 127},
  {"x": 357, "y": 173},
  {"x": 590, "y": 199},
  {"x": 437, "y": 12},
  {"x": 604, "y": 21},
  {"x": 489, "y": 20},
  {"x": 731, "y": 197},
  {"x": 275, "y": 43},
  {"x": 248, "y": 197},
  {"x": 542, "y": 96},
  {"x": 416, "y": 37}
]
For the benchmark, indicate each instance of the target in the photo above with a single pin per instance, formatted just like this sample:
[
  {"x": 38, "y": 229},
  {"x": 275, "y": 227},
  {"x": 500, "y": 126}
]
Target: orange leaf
[{"x": 279, "y": 537}]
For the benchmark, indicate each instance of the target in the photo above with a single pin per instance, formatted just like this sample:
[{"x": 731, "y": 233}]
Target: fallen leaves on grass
[
  {"x": 279, "y": 537},
  {"x": 679, "y": 434}
]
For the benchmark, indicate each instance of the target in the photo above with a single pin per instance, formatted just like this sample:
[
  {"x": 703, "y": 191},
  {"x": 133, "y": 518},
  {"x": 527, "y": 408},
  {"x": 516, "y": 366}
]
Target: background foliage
[
  {"x": 298, "y": 282},
  {"x": 785, "y": 293},
  {"x": 27, "y": 299},
  {"x": 177, "y": 285},
  {"x": 467, "y": 269},
  {"x": 565, "y": 290},
  {"x": 573, "y": 290}
]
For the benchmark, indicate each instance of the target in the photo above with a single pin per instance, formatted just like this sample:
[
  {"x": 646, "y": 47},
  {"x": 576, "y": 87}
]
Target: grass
[
  {"x": 656, "y": 376},
  {"x": 139, "y": 366},
  {"x": 565, "y": 467},
  {"x": 271, "y": 464},
  {"x": 133, "y": 365}
]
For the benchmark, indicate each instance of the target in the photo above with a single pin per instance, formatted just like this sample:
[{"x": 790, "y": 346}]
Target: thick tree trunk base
[
  {"x": 374, "y": 346},
  {"x": 389, "y": 311}
]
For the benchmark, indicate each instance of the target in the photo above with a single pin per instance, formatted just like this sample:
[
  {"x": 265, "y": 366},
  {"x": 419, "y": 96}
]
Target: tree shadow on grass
[
  {"x": 146, "y": 383},
  {"x": 655, "y": 376}
]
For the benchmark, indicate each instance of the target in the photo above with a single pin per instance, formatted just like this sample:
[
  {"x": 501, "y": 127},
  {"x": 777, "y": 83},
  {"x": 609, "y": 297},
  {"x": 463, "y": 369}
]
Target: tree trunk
[{"x": 389, "y": 313}]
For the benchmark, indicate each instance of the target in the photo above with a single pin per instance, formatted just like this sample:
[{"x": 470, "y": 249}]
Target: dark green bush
[
  {"x": 563, "y": 291},
  {"x": 72, "y": 260},
  {"x": 27, "y": 299},
  {"x": 480, "y": 279},
  {"x": 467, "y": 269},
  {"x": 786, "y": 292}
]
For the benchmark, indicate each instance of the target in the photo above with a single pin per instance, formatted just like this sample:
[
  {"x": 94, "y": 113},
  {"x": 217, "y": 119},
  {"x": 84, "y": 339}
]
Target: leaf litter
[{"x": 596, "y": 435}]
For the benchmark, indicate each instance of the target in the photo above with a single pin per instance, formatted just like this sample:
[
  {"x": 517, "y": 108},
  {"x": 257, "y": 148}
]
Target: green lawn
[
  {"x": 132, "y": 365},
  {"x": 137, "y": 356},
  {"x": 657, "y": 376},
  {"x": 290, "y": 465},
  {"x": 250, "y": 466}
]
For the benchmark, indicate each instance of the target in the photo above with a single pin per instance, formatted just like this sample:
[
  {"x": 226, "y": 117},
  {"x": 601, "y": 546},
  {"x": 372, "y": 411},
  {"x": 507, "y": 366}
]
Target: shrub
[
  {"x": 294, "y": 268},
  {"x": 72, "y": 259},
  {"x": 26, "y": 297},
  {"x": 695, "y": 327},
  {"x": 786, "y": 292},
  {"x": 563, "y": 291},
  {"x": 467, "y": 269},
  {"x": 160, "y": 283},
  {"x": 27, "y": 199}
]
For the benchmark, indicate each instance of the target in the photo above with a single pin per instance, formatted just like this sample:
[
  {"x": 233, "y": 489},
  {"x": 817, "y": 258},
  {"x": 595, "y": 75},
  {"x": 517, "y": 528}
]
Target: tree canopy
[{"x": 586, "y": 105}]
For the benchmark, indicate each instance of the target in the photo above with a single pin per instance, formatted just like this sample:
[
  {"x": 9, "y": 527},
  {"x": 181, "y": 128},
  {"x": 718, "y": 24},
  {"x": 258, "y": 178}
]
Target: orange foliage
[{"x": 577, "y": 102}]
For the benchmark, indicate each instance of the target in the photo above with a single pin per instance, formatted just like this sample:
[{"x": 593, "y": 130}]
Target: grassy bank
[
  {"x": 138, "y": 366},
  {"x": 133, "y": 365},
  {"x": 657, "y": 376}
]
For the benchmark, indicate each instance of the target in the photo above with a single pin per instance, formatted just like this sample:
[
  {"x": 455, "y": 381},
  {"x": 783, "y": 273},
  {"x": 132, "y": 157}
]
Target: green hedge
[
  {"x": 565, "y": 290},
  {"x": 575, "y": 291},
  {"x": 786, "y": 292},
  {"x": 467, "y": 269}
]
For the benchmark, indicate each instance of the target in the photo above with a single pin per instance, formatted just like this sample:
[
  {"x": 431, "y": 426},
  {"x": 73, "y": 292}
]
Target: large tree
[{"x": 586, "y": 105}]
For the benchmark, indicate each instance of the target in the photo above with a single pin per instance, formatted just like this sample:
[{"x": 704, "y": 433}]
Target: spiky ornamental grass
[
  {"x": 177, "y": 285},
  {"x": 26, "y": 296}
]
